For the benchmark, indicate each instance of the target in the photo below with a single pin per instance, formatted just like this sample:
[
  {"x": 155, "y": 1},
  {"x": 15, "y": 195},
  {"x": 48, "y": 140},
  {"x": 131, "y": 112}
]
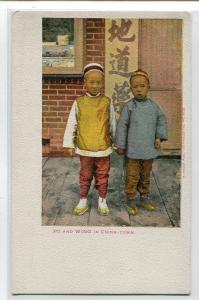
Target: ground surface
[{"x": 60, "y": 192}]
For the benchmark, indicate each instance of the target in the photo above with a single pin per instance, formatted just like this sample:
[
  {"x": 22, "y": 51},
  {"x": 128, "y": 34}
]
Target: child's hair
[{"x": 139, "y": 72}]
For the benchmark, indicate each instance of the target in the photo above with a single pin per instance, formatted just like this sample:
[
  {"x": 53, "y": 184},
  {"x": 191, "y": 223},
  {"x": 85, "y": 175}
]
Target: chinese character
[
  {"x": 120, "y": 95},
  {"x": 121, "y": 32},
  {"x": 119, "y": 62}
]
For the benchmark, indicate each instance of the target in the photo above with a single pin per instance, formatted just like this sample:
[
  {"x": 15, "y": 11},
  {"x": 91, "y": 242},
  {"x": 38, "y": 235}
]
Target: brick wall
[{"x": 58, "y": 94}]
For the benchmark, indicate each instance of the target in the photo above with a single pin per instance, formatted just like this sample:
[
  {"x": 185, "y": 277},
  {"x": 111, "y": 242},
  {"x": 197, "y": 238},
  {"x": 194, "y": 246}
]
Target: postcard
[{"x": 101, "y": 155}]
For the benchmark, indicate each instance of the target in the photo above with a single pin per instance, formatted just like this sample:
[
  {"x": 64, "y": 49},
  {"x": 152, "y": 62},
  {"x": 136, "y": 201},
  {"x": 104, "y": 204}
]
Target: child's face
[
  {"x": 93, "y": 82},
  {"x": 139, "y": 86}
]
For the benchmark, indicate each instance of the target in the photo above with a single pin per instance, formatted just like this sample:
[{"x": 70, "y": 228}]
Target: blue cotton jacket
[{"x": 140, "y": 123}]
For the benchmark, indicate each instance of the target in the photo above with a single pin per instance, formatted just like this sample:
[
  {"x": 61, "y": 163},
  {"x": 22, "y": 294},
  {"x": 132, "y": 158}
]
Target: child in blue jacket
[{"x": 140, "y": 130}]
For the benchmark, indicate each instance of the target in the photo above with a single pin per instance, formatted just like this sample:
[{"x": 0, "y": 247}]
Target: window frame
[{"x": 79, "y": 53}]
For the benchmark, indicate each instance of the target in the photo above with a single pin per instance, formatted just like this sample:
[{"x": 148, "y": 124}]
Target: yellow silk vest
[{"x": 93, "y": 127}]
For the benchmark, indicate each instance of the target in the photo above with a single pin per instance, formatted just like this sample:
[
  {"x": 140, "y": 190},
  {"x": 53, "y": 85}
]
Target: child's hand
[
  {"x": 120, "y": 151},
  {"x": 70, "y": 152},
  {"x": 157, "y": 143}
]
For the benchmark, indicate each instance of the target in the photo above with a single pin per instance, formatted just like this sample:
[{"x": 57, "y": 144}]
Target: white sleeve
[
  {"x": 71, "y": 127},
  {"x": 112, "y": 121}
]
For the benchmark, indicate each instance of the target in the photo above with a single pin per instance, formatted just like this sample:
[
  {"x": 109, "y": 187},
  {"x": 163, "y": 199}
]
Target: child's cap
[
  {"x": 93, "y": 67},
  {"x": 139, "y": 72}
]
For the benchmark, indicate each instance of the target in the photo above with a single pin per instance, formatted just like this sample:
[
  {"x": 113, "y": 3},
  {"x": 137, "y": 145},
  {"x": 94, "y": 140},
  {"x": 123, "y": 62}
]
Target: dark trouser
[
  {"x": 137, "y": 177},
  {"x": 97, "y": 167}
]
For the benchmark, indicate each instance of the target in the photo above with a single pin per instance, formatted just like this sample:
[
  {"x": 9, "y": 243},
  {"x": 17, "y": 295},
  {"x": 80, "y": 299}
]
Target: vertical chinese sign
[{"x": 121, "y": 59}]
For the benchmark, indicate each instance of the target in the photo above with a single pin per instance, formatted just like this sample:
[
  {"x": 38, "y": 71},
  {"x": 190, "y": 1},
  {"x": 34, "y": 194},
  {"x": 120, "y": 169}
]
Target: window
[{"x": 62, "y": 46}]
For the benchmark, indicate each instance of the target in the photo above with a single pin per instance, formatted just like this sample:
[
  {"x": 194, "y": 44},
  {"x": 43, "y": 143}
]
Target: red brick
[
  {"x": 90, "y": 47},
  {"x": 55, "y": 143},
  {"x": 89, "y": 36},
  {"x": 94, "y": 53},
  {"x": 57, "y": 97},
  {"x": 61, "y": 125},
  {"x": 45, "y": 132},
  {"x": 53, "y": 131},
  {"x": 56, "y": 108},
  {"x": 44, "y": 97},
  {"x": 53, "y": 119},
  {"x": 100, "y": 23},
  {"x": 100, "y": 59},
  {"x": 45, "y": 86},
  {"x": 67, "y": 114},
  {"x": 49, "y": 114},
  {"x": 95, "y": 41},
  {"x": 54, "y": 148},
  {"x": 70, "y": 102},
  {"x": 62, "y": 103},
  {"x": 57, "y": 86},
  {"x": 90, "y": 23},
  {"x": 61, "y": 113},
  {"x": 64, "y": 119},
  {"x": 57, "y": 138},
  {"x": 74, "y": 86},
  {"x": 49, "y": 92},
  {"x": 99, "y": 47},
  {"x": 68, "y": 92},
  {"x": 58, "y": 148},
  {"x": 93, "y": 30},
  {"x": 50, "y": 125},
  {"x": 49, "y": 102},
  {"x": 89, "y": 42},
  {"x": 99, "y": 36},
  {"x": 44, "y": 108},
  {"x": 71, "y": 98},
  {"x": 79, "y": 92},
  {"x": 90, "y": 59},
  {"x": 68, "y": 110}
]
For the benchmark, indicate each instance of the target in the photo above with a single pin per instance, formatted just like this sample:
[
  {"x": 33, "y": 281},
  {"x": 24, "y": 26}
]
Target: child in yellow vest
[{"x": 89, "y": 133}]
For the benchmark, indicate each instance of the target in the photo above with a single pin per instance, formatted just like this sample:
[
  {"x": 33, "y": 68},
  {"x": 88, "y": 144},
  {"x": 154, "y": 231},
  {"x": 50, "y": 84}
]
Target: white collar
[{"x": 89, "y": 95}]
